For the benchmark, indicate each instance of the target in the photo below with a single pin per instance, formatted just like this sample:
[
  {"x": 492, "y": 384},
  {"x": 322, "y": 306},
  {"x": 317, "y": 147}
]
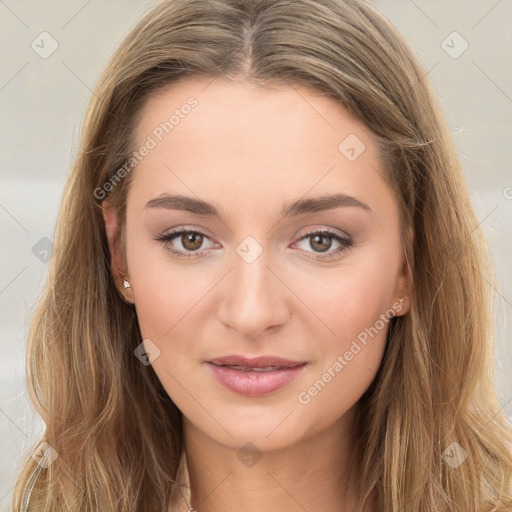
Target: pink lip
[{"x": 253, "y": 383}]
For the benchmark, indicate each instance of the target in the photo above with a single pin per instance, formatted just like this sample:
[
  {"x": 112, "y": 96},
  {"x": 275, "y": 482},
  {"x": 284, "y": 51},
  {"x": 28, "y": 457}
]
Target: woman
[{"x": 255, "y": 304}]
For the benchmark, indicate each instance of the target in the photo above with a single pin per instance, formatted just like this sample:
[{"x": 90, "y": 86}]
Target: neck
[{"x": 313, "y": 474}]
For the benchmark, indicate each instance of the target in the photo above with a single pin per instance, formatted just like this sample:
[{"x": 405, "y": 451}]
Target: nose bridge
[{"x": 254, "y": 297}]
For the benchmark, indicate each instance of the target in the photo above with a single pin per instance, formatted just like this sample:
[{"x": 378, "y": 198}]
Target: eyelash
[{"x": 346, "y": 243}]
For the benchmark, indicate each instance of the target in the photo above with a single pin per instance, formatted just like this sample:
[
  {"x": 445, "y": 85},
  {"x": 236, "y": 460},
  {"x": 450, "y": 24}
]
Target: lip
[
  {"x": 255, "y": 362},
  {"x": 247, "y": 382}
]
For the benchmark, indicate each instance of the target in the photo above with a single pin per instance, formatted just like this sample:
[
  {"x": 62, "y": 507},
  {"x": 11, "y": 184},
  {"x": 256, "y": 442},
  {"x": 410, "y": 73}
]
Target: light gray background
[{"x": 42, "y": 102}]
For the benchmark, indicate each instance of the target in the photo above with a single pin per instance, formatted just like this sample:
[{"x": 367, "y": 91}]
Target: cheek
[
  {"x": 165, "y": 293},
  {"x": 355, "y": 308},
  {"x": 168, "y": 301},
  {"x": 352, "y": 298}
]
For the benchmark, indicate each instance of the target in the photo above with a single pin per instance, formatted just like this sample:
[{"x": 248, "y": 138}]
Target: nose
[{"x": 255, "y": 297}]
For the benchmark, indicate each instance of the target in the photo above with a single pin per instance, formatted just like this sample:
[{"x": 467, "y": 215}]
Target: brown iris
[
  {"x": 192, "y": 241},
  {"x": 322, "y": 247}
]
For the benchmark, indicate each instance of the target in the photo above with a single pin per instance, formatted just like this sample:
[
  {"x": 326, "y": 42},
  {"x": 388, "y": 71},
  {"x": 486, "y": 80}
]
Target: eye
[
  {"x": 322, "y": 241},
  {"x": 190, "y": 240}
]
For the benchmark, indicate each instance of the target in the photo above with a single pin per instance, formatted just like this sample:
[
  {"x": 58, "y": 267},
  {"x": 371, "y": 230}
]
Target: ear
[
  {"x": 404, "y": 282},
  {"x": 117, "y": 260}
]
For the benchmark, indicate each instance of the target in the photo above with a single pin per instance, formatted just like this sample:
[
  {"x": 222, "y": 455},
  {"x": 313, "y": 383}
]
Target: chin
[{"x": 272, "y": 429}]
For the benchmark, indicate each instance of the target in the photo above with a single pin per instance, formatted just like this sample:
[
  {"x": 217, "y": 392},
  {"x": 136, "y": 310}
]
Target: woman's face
[{"x": 272, "y": 272}]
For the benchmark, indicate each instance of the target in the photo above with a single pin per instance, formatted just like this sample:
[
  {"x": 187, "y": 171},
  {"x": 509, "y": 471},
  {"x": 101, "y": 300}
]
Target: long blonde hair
[{"x": 117, "y": 433}]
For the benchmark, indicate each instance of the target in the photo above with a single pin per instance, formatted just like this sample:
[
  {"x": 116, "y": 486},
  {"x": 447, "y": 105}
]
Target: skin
[{"x": 250, "y": 150}]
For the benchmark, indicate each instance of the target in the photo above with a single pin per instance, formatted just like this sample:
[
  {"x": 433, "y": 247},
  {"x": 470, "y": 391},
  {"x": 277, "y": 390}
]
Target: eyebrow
[{"x": 299, "y": 207}]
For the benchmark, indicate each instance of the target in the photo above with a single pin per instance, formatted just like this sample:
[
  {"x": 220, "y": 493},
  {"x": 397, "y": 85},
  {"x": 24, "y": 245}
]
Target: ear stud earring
[
  {"x": 401, "y": 301},
  {"x": 126, "y": 284}
]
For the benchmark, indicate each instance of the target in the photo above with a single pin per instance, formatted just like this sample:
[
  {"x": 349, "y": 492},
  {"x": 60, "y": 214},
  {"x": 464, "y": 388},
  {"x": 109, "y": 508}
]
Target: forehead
[
  {"x": 213, "y": 136},
  {"x": 294, "y": 119}
]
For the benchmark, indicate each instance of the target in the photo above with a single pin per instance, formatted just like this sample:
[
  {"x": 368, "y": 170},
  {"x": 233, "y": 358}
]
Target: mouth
[
  {"x": 261, "y": 363},
  {"x": 253, "y": 381}
]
